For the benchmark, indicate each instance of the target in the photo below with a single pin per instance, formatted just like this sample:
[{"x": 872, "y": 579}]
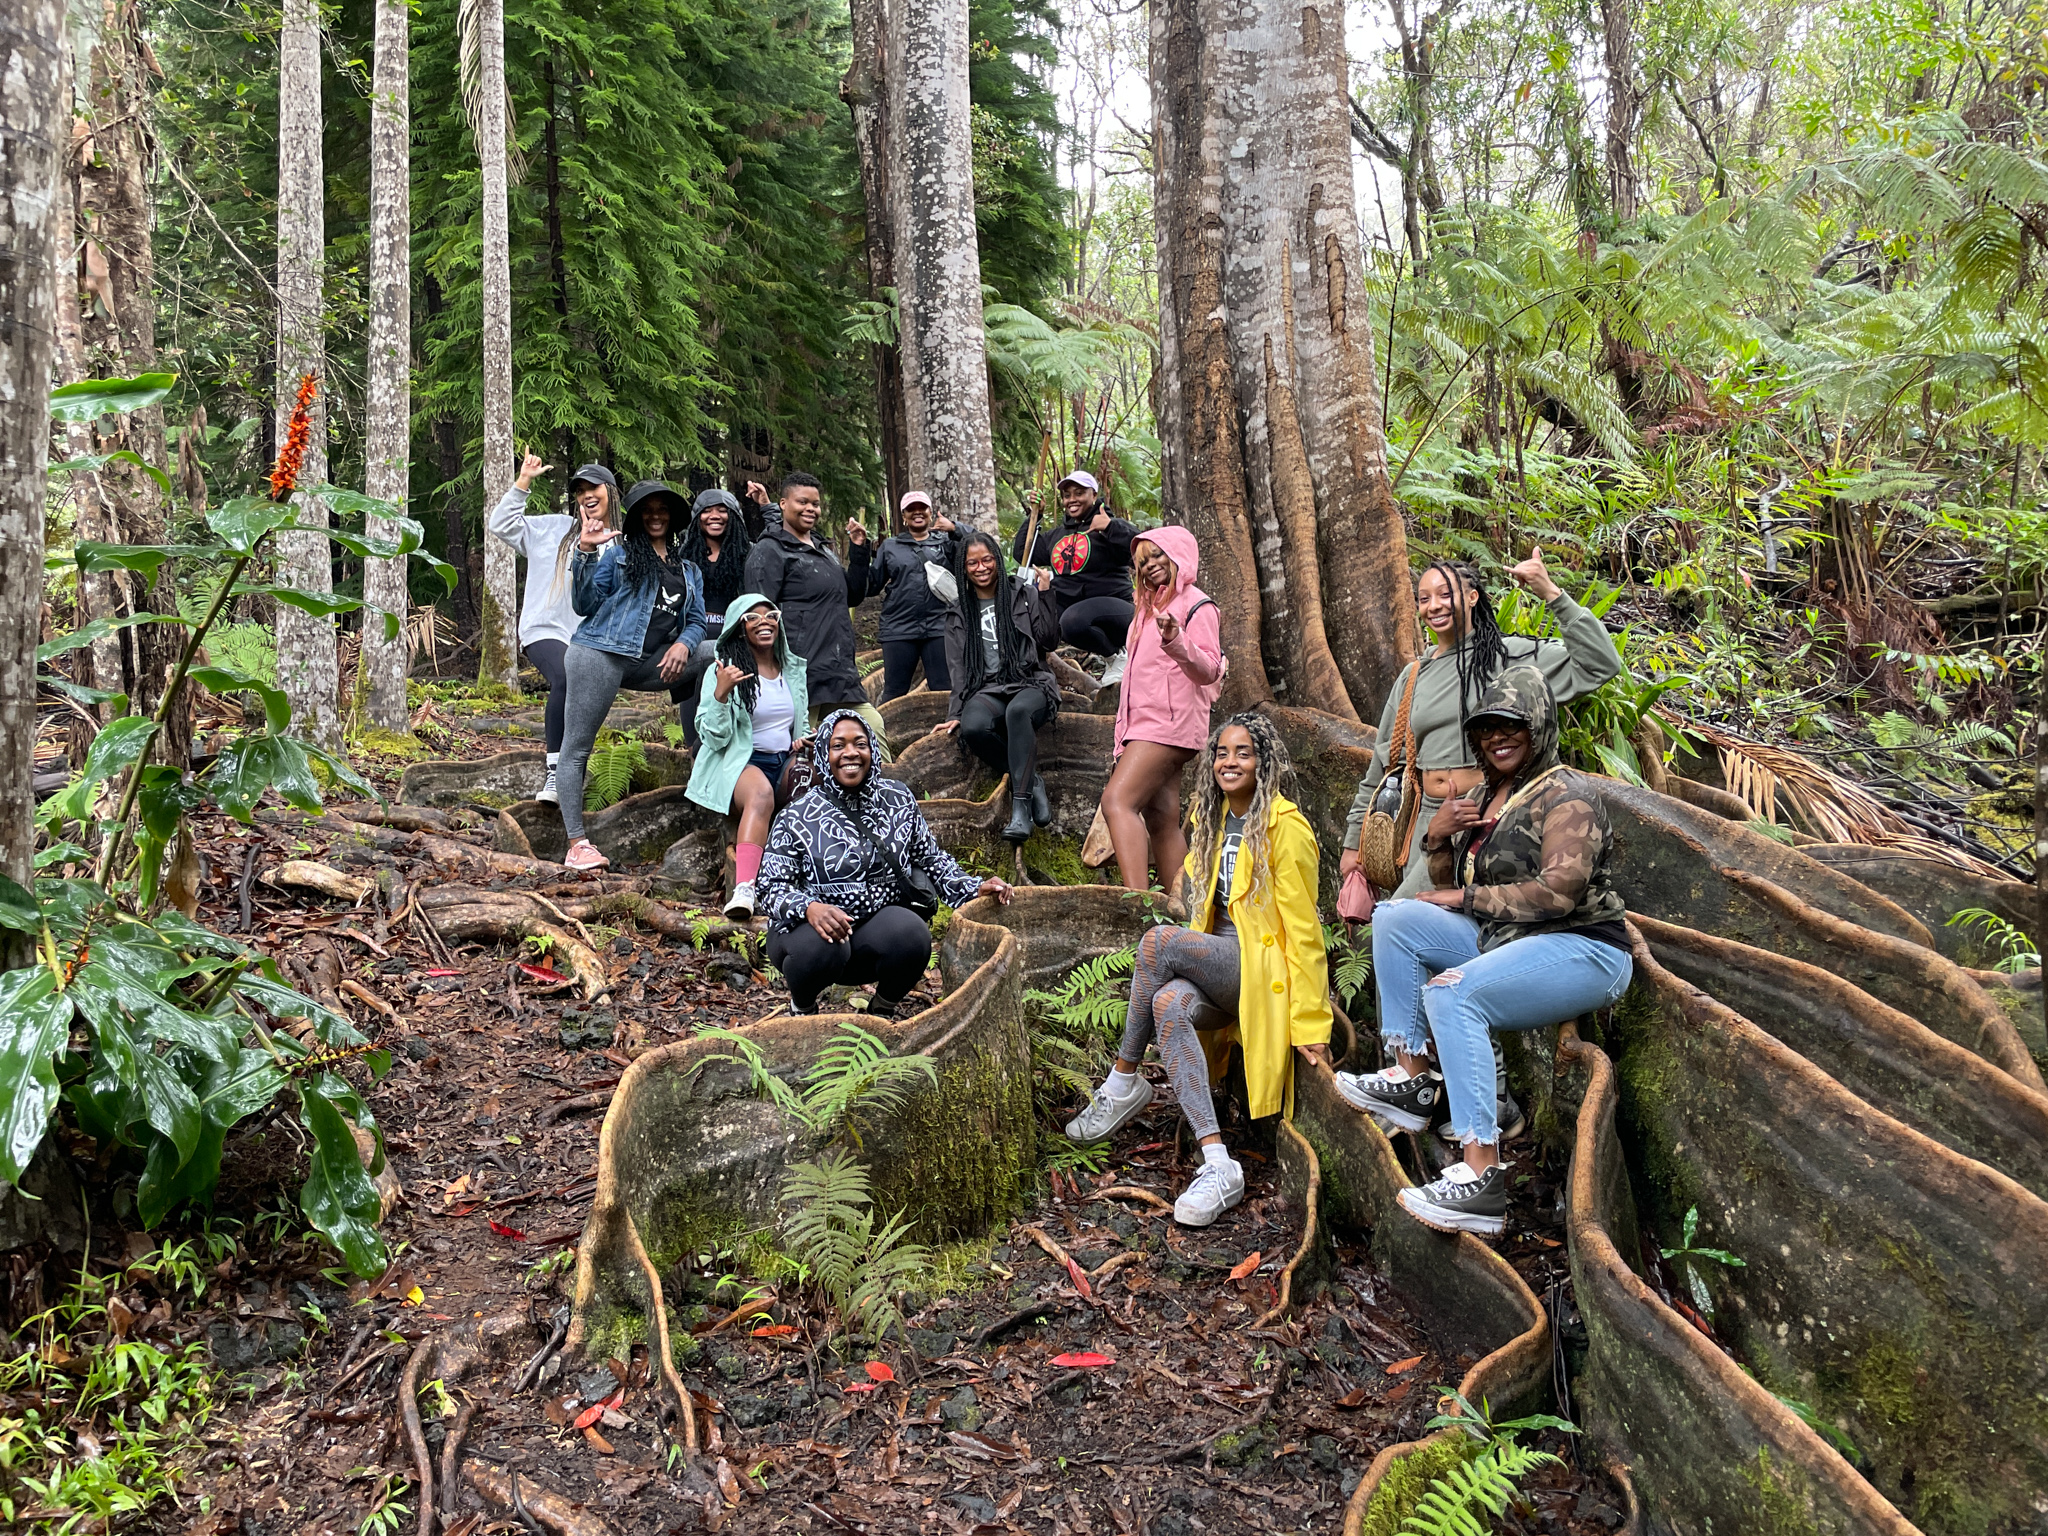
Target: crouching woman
[
  {"x": 1521, "y": 929},
  {"x": 1250, "y": 964},
  {"x": 847, "y": 868}
]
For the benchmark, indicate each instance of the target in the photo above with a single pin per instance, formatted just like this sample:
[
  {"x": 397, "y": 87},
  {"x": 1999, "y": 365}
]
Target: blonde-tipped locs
[{"x": 1275, "y": 777}]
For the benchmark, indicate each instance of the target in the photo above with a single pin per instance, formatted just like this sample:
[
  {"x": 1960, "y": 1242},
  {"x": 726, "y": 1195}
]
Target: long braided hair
[
  {"x": 642, "y": 564},
  {"x": 725, "y": 576},
  {"x": 736, "y": 650},
  {"x": 574, "y": 536},
  {"x": 1012, "y": 665},
  {"x": 1275, "y": 777},
  {"x": 1481, "y": 650}
]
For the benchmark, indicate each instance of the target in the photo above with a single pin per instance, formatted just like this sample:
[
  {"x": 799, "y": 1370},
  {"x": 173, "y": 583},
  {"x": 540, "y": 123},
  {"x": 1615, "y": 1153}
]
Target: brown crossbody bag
[{"x": 1383, "y": 842}]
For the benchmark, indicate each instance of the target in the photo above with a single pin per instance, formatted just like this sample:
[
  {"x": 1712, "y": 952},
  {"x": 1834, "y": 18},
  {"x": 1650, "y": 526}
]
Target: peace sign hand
[{"x": 1533, "y": 575}]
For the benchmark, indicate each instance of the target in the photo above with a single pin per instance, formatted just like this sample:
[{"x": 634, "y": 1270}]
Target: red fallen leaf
[
  {"x": 1086, "y": 1360},
  {"x": 1245, "y": 1266},
  {"x": 880, "y": 1370},
  {"x": 467, "y": 1208},
  {"x": 1355, "y": 1398},
  {"x": 595, "y": 1411},
  {"x": 540, "y": 973},
  {"x": 502, "y": 1230},
  {"x": 1404, "y": 1365},
  {"x": 1080, "y": 1279},
  {"x": 862, "y": 1386},
  {"x": 774, "y": 1331},
  {"x": 440, "y": 970}
]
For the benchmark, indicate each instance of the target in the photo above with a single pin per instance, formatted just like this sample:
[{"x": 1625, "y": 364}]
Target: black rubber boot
[
  {"x": 1019, "y": 828},
  {"x": 1041, "y": 801}
]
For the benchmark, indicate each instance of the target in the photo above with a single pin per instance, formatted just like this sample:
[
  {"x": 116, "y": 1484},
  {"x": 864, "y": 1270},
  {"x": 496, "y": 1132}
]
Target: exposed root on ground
[{"x": 1308, "y": 1224}]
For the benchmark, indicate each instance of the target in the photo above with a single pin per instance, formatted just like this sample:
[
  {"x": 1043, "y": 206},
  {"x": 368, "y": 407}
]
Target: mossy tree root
[{"x": 1306, "y": 1149}]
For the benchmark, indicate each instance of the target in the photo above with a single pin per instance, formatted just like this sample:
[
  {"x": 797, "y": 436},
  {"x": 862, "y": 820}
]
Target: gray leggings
[
  {"x": 1184, "y": 982},
  {"x": 595, "y": 678}
]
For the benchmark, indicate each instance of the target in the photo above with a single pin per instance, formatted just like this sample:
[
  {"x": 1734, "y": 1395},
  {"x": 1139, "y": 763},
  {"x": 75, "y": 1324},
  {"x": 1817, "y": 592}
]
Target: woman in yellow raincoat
[{"x": 1249, "y": 968}]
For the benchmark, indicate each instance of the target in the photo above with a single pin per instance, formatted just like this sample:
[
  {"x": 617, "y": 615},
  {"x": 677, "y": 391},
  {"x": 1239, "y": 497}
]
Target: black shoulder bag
[{"x": 920, "y": 894}]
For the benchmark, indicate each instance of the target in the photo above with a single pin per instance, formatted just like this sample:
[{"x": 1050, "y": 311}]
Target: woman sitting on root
[
  {"x": 1172, "y": 676},
  {"x": 717, "y": 545},
  {"x": 836, "y": 881},
  {"x": 997, "y": 638},
  {"x": 747, "y": 718},
  {"x": 1520, "y": 929},
  {"x": 1251, "y": 959}
]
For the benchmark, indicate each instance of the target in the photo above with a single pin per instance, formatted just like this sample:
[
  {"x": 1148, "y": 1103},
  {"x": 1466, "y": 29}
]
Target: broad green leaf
[
  {"x": 347, "y": 503},
  {"x": 239, "y": 1089},
  {"x": 169, "y": 1180},
  {"x": 146, "y": 558},
  {"x": 241, "y": 524},
  {"x": 97, "y": 461},
  {"x": 441, "y": 568},
  {"x": 322, "y": 605},
  {"x": 97, "y": 628},
  {"x": 338, "y": 1197},
  {"x": 103, "y": 989},
  {"x": 256, "y": 763},
  {"x": 35, "y": 1020},
  {"x": 90, "y": 399},
  {"x": 182, "y": 933},
  {"x": 83, "y": 694},
  {"x": 163, "y": 796},
  {"x": 285, "y": 1003},
  {"x": 344, "y": 772},
  {"x": 117, "y": 748},
  {"x": 277, "y": 709},
  {"x": 173, "y": 1106},
  {"x": 19, "y": 909},
  {"x": 359, "y": 544}
]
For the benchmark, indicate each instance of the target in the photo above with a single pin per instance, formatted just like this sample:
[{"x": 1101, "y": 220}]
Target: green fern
[
  {"x": 1457, "y": 1498},
  {"x": 856, "y": 1069},
  {"x": 608, "y": 776},
  {"x": 830, "y": 1231},
  {"x": 1350, "y": 960},
  {"x": 1075, "y": 1025}
]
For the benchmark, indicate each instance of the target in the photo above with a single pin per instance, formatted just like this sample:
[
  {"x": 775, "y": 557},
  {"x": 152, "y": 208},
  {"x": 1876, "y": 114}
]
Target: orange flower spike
[{"x": 284, "y": 477}]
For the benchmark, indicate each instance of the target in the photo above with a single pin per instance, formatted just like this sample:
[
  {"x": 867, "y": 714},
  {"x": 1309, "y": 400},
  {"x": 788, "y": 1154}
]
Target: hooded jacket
[
  {"x": 726, "y": 726},
  {"x": 726, "y": 577},
  {"x": 814, "y": 593},
  {"x": 546, "y": 611},
  {"x": 814, "y": 853},
  {"x": 615, "y": 610},
  {"x": 1283, "y": 990},
  {"x": 1168, "y": 689},
  {"x": 1038, "y": 630},
  {"x": 910, "y": 609},
  {"x": 1543, "y": 866}
]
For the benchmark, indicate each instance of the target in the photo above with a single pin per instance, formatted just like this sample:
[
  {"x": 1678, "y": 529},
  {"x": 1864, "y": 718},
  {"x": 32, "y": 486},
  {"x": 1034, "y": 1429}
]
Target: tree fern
[
  {"x": 830, "y": 1231},
  {"x": 855, "y": 1070},
  {"x": 608, "y": 776},
  {"x": 1456, "y": 1500}
]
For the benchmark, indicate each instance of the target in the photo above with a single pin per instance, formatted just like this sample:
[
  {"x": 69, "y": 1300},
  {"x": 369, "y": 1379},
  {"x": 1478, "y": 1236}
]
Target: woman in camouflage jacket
[{"x": 1522, "y": 928}]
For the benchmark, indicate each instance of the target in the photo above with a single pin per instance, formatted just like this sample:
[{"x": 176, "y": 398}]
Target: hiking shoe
[
  {"x": 1404, "y": 1102},
  {"x": 1018, "y": 828},
  {"x": 1507, "y": 1115},
  {"x": 549, "y": 795},
  {"x": 583, "y": 855},
  {"x": 1462, "y": 1201},
  {"x": 739, "y": 907},
  {"x": 1111, "y": 676},
  {"x": 1041, "y": 801},
  {"x": 1107, "y": 1114},
  {"x": 1216, "y": 1188}
]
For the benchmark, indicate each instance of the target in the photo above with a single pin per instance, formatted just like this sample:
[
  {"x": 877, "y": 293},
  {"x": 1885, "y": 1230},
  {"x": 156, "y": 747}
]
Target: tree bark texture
[
  {"x": 864, "y": 89},
  {"x": 938, "y": 260},
  {"x": 307, "y": 666},
  {"x": 111, "y": 296},
  {"x": 1624, "y": 106},
  {"x": 388, "y": 428},
  {"x": 1269, "y": 404},
  {"x": 500, "y": 650},
  {"x": 31, "y": 129}
]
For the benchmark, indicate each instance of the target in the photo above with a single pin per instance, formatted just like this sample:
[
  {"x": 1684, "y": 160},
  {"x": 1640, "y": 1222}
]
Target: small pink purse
[{"x": 1354, "y": 898}]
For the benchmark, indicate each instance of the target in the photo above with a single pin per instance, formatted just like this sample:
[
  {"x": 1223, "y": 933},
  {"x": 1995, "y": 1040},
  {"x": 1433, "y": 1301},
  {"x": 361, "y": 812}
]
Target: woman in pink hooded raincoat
[{"x": 1174, "y": 673}]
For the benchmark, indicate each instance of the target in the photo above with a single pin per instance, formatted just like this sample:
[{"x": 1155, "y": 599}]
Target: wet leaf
[
  {"x": 1086, "y": 1360},
  {"x": 1080, "y": 1279},
  {"x": 1355, "y": 1398},
  {"x": 595, "y": 1411},
  {"x": 502, "y": 1230},
  {"x": 775, "y": 1331},
  {"x": 1245, "y": 1266},
  {"x": 881, "y": 1370},
  {"x": 982, "y": 1447},
  {"x": 1400, "y": 1366},
  {"x": 442, "y": 970},
  {"x": 414, "y": 1297},
  {"x": 728, "y": 1483},
  {"x": 598, "y": 1443},
  {"x": 535, "y": 973},
  {"x": 862, "y": 1386}
]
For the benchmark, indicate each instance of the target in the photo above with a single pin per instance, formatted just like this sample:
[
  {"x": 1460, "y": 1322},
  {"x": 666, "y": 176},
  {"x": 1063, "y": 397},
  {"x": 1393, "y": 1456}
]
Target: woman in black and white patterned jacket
[{"x": 836, "y": 904}]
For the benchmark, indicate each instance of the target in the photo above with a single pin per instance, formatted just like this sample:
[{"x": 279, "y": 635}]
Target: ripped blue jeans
[{"x": 1433, "y": 982}]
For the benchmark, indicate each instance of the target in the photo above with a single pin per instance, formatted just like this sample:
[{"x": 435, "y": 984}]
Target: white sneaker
[
  {"x": 741, "y": 908},
  {"x": 1107, "y": 1114},
  {"x": 548, "y": 794},
  {"x": 1217, "y": 1187},
  {"x": 1114, "y": 672}
]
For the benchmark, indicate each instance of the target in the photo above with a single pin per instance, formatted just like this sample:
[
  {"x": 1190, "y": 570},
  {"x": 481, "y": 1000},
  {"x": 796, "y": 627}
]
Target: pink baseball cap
[{"x": 912, "y": 498}]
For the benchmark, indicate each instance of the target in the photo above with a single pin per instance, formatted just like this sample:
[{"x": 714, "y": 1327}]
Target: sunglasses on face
[{"x": 1494, "y": 730}]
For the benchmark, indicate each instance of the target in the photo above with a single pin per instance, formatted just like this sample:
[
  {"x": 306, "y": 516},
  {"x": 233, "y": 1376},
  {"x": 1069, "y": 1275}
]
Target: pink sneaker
[{"x": 583, "y": 855}]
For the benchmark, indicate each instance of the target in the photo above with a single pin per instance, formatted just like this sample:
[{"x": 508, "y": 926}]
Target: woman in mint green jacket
[{"x": 752, "y": 707}]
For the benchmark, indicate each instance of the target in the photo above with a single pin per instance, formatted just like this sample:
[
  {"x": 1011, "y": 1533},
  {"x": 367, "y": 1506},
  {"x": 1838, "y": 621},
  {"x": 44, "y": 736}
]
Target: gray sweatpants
[
  {"x": 1183, "y": 982},
  {"x": 595, "y": 678}
]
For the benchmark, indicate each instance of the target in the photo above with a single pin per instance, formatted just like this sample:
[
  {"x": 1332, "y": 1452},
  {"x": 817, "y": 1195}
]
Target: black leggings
[
  {"x": 900, "y": 659},
  {"x": 1005, "y": 736},
  {"x": 547, "y": 657},
  {"x": 891, "y": 949},
  {"x": 1097, "y": 624}
]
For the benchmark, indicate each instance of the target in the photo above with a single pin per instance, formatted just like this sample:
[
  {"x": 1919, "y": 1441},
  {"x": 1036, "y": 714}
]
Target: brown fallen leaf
[
  {"x": 1355, "y": 1398},
  {"x": 1006, "y": 1506},
  {"x": 1398, "y": 1393},
  {"x": 1245, "y": 1266},
  {"x": 1404, "y": 1365},
  {"x": 728, "y": 1483},
  {"x": 983, "y": 1447},
  {"x": 598, "y": 1443}
]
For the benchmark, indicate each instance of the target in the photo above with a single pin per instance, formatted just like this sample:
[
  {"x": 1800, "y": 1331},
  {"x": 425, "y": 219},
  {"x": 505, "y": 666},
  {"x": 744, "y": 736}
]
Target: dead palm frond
[{"x": 469, "y": 30}]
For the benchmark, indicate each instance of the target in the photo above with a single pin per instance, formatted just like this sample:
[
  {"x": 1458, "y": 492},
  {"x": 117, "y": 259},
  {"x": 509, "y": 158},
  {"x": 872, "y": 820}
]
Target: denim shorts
[{"x": 770, "y": 763}]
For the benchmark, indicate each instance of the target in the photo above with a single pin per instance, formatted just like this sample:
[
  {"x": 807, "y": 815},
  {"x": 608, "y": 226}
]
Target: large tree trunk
[
  {"x": 500, "y": 653},
  {"x": 1269, "y": 407},
  {"x": 30, "y": 112},
  {"x": 938, "y": 261},
  {"x": 116, "y": 337},
  {"x": 1624, "y": 106},
  {"x": 307, "y": 668},
  {"x": 864, "y": 90},
  {"x": 388, "y": 428}
]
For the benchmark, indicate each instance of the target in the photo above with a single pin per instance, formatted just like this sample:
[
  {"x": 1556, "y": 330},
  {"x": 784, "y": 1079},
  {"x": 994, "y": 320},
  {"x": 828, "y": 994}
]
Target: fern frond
[{"x": 1456, "y": 1498}]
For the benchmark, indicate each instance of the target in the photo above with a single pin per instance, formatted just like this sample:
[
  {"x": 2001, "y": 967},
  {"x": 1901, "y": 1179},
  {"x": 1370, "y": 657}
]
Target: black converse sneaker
[
  {"x": 1404, "y": 1102},
  {"x": 1507, "y": 1115},
  {"x": 1462, "y": 1201}
]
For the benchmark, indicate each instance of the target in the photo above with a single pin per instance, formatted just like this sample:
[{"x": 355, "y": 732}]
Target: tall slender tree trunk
[
  {"x": 500, "y": 654},
  {"x": 864, "y": 89},
  {"x": 938, "y": 260},
  {"x": 1269, "y": 404},
  {"x": 1624, "y": 107},
  {"x": 388, "y": 428},
  {"x": 307, "y": 666},
  {"x": 32, "y": 126}
]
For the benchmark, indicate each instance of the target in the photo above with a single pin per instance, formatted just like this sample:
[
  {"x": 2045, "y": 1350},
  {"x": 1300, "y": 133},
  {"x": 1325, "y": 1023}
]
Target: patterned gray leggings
[{"x": 1184, "y": 982}]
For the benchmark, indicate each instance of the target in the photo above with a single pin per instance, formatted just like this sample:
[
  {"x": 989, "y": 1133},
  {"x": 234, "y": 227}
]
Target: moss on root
[{"x": 1408, "y": 1479}]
